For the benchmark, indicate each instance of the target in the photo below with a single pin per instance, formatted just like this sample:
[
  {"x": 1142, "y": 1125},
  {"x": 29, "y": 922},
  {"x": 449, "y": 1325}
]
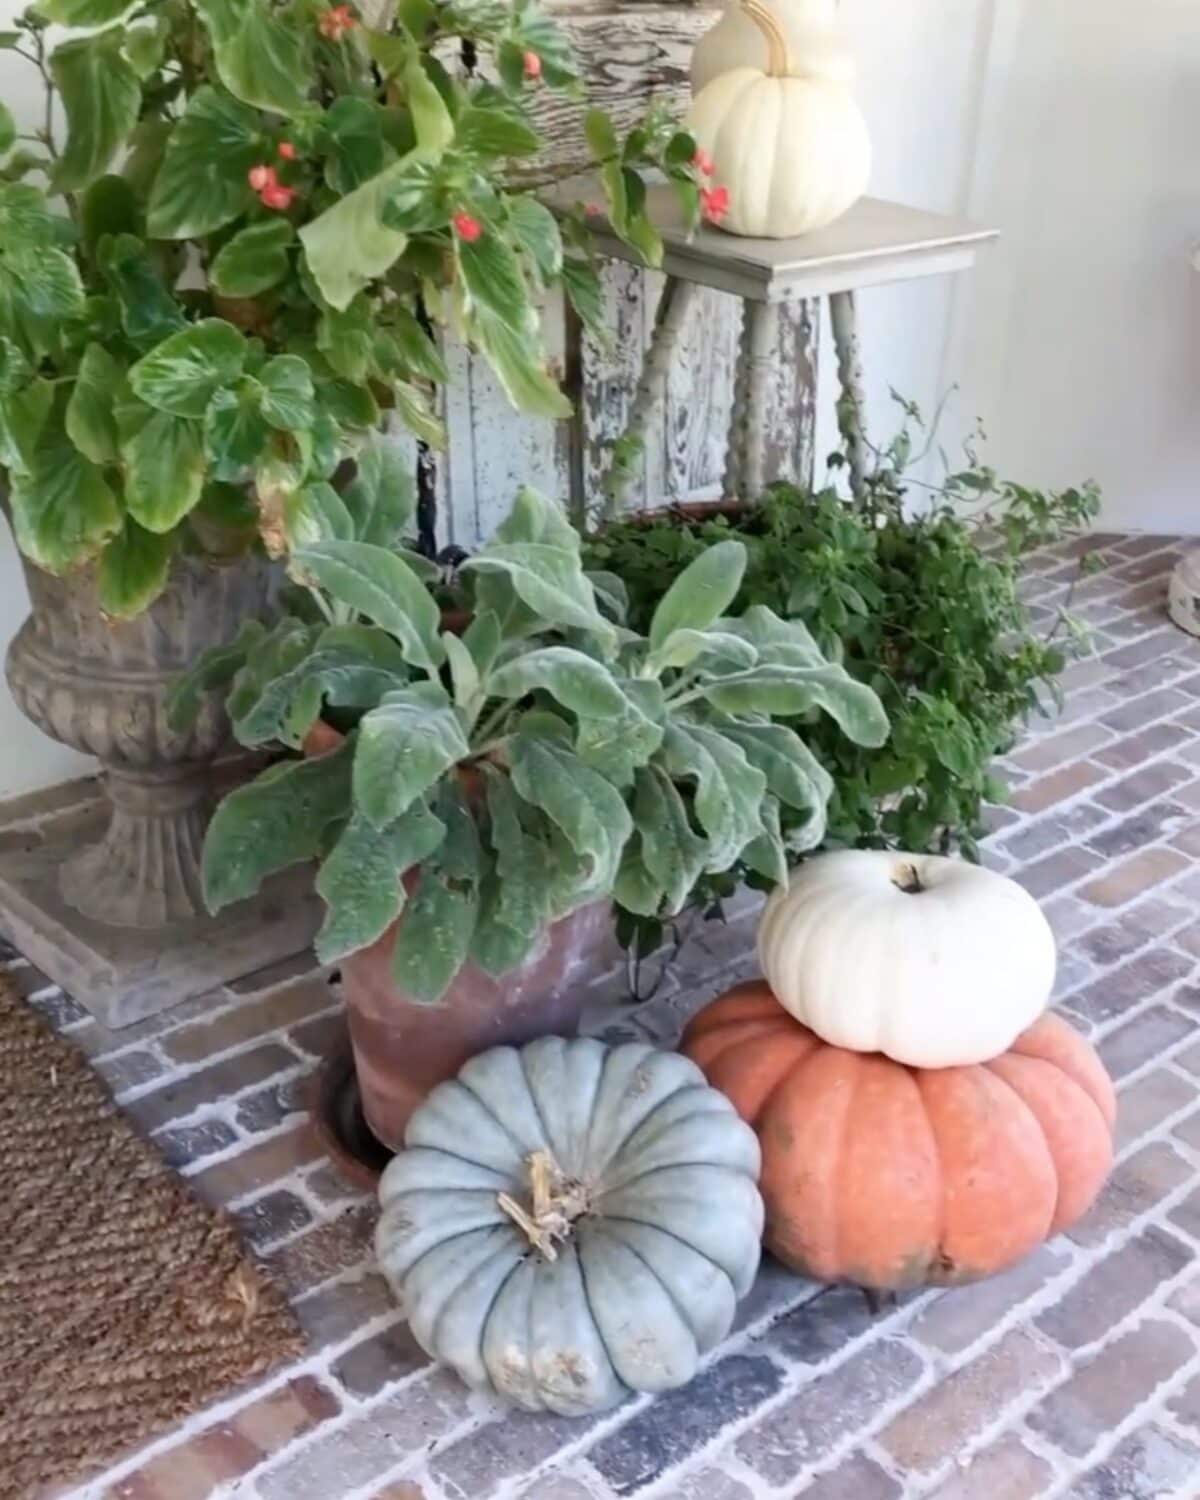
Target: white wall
[
  {"x": 1082, "y": 339},
  {"x": 1072, "y": 126},
  {"x": 919, "y": 64},
  {"x": 28, "y": 759}
]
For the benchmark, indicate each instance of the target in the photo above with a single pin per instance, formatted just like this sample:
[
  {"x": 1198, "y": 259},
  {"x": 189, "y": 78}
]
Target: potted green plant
[
  {"x": 224, "y": 248},
  {"x": 494, "y": 794},
  {"x": 895, "y": 585}
]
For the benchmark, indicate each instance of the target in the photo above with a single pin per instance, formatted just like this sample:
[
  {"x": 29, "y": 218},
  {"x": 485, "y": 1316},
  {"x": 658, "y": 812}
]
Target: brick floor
[{"x": 1077, "y": 1374}]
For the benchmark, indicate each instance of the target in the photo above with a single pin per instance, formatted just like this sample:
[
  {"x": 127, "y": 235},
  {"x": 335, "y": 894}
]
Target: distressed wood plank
[
  {"x": 610, "y": 374},
  {"x": 510, "y": 448},
  {"x": 700, "y": 400},
  {"x": 629, "y": 55}
]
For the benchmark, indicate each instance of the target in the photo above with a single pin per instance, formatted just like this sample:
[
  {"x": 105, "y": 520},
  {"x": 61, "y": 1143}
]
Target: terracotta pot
[
  {"x": 402, "y": 1050},
  {"x": 691, "y": 511}
]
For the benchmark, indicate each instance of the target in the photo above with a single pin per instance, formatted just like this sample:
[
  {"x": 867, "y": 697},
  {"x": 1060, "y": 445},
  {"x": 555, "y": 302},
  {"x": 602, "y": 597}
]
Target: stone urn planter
[{"x": 114, "y": 912}]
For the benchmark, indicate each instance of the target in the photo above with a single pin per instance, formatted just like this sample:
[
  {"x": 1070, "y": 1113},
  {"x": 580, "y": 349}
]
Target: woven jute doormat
[{"x": 125, "y": 1303}]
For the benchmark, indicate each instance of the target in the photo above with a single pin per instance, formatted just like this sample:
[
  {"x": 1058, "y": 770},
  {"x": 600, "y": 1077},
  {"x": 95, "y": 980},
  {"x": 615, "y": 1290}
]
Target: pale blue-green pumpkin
[{"x": 570, "y": 1222}]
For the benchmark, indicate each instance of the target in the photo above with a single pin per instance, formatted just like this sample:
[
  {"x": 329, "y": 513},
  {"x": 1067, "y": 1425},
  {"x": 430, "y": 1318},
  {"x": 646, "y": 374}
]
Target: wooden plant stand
[{"x": 875, "y": 243}]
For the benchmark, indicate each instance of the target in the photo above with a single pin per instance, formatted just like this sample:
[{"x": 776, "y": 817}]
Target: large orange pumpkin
[{"x": 890, "y": 1176}]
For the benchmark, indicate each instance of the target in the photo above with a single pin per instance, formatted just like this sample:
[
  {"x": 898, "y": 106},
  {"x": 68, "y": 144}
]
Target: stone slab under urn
[{"x": 107, "y": 901}]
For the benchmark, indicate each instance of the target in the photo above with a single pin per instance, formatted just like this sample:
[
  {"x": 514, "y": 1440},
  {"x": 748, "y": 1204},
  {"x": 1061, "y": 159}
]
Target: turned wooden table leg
[
  {"x": 851, "y": 404},
  {"x": 772, "y": 428},
  {"x": 673, "y": 308},
  {"x": 746, "y": 471}
]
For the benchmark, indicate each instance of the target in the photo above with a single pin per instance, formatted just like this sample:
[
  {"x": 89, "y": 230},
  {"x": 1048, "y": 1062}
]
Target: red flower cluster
[
  {"x": 271, "y": 192},
  {"x": 703, "y": 163},
  {"x": 335, "y": 22},
  {"x": 714, "y": 203},
  {"x": 466, "y": 227},
  {"x": 286, "y": 151},
  {"x": 532, "y": 64}
]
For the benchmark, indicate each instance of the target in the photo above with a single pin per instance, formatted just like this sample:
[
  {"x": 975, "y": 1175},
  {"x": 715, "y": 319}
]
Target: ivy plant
[
  {"x": 227, "y": 245},
  {"x": 550, "y": 756},
  {"x": 896, "y": 586}
]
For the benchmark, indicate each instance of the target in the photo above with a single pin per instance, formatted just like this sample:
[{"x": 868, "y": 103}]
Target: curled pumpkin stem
[
  {"x": 779, "y": 57},
  {"x": 556, "y": 1201}
]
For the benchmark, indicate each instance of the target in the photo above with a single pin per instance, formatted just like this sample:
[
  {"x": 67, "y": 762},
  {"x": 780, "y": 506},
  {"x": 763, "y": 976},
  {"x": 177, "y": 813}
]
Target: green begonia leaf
[
  {"x": 254, "y": 260},
  {"x": 91, "y": 425},
  {"x": 235, "y": 430},
  {"x": 101, "y": 97},
  {"x": 260, "y": 53},
  {"x": 133, "y": 570},
  {"x": 288, "y": 398},
  {"x": 63, "y": 508},
  {"x": 23, "y": 415},
  {"x": 149, "y": 313},
  {"x": 181, "y": 374},
  {"x": 83, "y": 12},
  {"x": 382, "y": 498},
  {"x": 164, "y": 471},
  {"x": 353, "y": 129},
  {"x": 349, "y": 245},
  {"x": 202, "y": 184}
]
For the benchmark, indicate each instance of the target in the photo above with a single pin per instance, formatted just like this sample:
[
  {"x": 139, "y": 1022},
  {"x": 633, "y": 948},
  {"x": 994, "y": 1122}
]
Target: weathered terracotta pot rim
[{"x": 692, "y": 511}]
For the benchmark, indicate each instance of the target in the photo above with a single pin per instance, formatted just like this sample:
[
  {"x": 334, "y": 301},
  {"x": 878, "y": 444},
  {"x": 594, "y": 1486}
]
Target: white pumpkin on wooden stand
[
  {"x": 933, "y": 962},
  {"x": 787, "y": 140}
]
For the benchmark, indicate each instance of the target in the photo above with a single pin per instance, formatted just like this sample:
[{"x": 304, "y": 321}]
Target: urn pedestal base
[{"x": 124, "y": 974}]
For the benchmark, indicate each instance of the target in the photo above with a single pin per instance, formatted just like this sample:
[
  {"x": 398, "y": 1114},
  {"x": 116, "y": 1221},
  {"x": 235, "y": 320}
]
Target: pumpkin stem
[
  {"x": 908, "y": 880},
  {"x": 558, "y": 1200},
  {"x": 779, "y": 57}
]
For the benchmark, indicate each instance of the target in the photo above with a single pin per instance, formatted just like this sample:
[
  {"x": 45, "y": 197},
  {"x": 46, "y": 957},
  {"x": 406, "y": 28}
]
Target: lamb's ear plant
[{"x": 548, "y": 757}]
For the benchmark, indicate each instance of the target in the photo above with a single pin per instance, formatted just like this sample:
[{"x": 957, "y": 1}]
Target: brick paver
[{"x": 1076, "y": 1374}]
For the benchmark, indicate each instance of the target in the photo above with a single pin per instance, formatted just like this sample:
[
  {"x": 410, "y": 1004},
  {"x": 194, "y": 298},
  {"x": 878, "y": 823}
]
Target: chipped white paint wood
[
  {"x": 630, "y": 53},
  {"x": 675, "y": 302}
]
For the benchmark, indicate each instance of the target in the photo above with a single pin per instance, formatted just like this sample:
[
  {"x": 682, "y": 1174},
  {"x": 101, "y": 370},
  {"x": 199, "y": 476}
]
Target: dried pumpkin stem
[
  {"x": 557, "y": 1201},
  {"x": 779, "y": 57}
]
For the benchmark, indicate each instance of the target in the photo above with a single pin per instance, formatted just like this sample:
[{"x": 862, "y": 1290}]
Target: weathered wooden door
[{"x": 630, "y": 54}]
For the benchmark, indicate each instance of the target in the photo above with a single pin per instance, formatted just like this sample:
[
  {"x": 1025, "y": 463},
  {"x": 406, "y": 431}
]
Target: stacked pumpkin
[{"x": 921, "y": 1118}]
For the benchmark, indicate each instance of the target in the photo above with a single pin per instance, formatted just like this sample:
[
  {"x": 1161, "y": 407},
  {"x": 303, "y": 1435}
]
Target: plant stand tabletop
[{"x": 874, "y": 244}]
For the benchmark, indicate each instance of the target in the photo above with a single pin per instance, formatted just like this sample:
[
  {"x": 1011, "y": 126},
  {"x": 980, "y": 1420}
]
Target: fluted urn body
[{"x": 101, "y": 686}]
